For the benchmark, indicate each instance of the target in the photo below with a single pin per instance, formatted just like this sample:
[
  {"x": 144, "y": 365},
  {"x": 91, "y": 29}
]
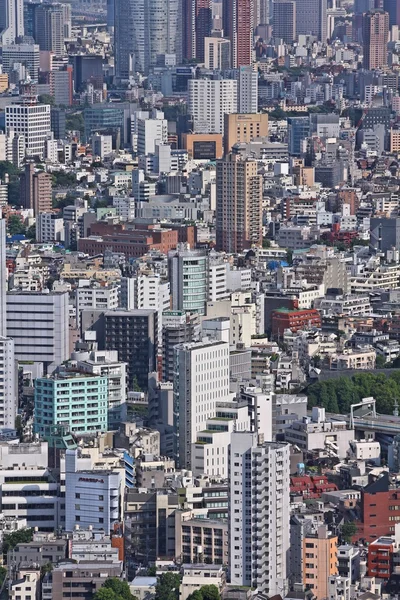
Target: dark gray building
[
  {"x": 134, "y": 334},
  {"x": 385, "y": 234}
]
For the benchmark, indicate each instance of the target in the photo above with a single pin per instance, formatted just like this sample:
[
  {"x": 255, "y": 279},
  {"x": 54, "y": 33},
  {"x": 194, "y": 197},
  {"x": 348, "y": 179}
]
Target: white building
[
  {"x": 201, "y": 379},
  {"x": 209, "y": 101},
  {"x": 101, "y": 145},
  {"x": 12, "y": 21},
  {"x": 217, "y": 53},
  {"x": 27, "y": 54},
  {"x": 33, "y": 122},
  {"x": 259, "y": 513},
  {"x": 124, "y": 207},
  {"x": 49, "y": 228},
  {"x": 39, "y": 325},
  {"x": 217, "y": 279},
  {"x": 339, "y": 588},
  {"x": 90, "y": 294},
  {"x": 151, "y": 131},
  {"x": 8, "y": 384},
  {"x": 106, "y": 364},
  {"x": 248, "y": 89},
  {"x": 26, "y": 585},
  {"x": 93, "y": 498}
]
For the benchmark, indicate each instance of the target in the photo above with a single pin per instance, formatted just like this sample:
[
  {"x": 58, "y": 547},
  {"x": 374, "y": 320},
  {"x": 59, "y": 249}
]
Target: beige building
[
  {"x": 200, "y": 540},
  {"x": 217, "y": 53},
  {"x": 395, "y": 141},
  {"x": 244, "y": 128},
  {"x": 239, "y": 204},
  {"x": 319, "y": 561}
]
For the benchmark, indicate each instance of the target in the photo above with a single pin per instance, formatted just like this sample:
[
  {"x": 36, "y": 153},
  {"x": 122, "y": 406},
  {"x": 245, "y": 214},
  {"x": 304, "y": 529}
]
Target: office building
[
  {"x": 49, "y": 28},
  {"x": 211, "y": 535},
  {"x": 101, "y": 145},
  {"x": 209, "y": 101},
  {"x": 49, "y": 228},
  {"x": 133, "y": 334},
  {"x": 36, "y": 190},
  {"x": 244, "y": 128},
  {"x": 197, "y": 25},
  {"x": 248, "y": 90},
  {"x": 238, "y": 21},
  {"x": 39, "y": 325},
  {"x": 284, "y": 26},
  {"x": 3, "y": 278},
  {"x": 178, "y": 328},
  {"x": 105, "y": 363},
  {"x": 259, "y": 513},
  {"x": 61, "y": 85},
  {"x": 93, "y": 498},
  {"x": 201, "y": 379},
  {"x": 8, "y": 384},
  {"x": 311, "y": 18},
  {"x": 32, "y": 122},
  {"x": 319, "y": 560},
  {"x": 25, "y": 54},
  {"x": 188, "y": 272},
  {"x": 239, "y": 204},
  {"x": 151, "y": 131},
  {"x": 375, "y": 32},
  {"x": 298, "y": 131},
  {"x": 146, "y": 31},
  {"x": 76, "y": 401},
  {"x": 217, "y": 53},
  {"x": 392, "y": 7},
  {"x": 81, "y": 579},
  {"x": 385, "y": 234},
  {"x": 11, "y": 21}
]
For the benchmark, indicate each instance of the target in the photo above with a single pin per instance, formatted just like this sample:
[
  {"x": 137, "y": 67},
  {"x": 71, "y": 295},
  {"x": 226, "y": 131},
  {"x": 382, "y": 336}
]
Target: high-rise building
[
  {"x": 188, "y": 273},
  {"x": 36, "y": 189},
  {"x": 217, "y": 53},
  {"x": 311, "y": 18},
  {"x": 11, "y": 21},
  {"x": 393, "y": 8},
  {"x": 39, "y": 325},
  {"x": 238, "y": 22},
  {"x": 145, "y": 31},
  {"x": 209, "y": 101},
  {"x": 77, "y": 401},
  {"x": 49, "y": 28},
  {"x": 375, "y": 32},
  {"x": 26, "y": 54},
  {"x": 3, "y": 278},
  {"x": 31, "y": 121},
  {"x": 178, "y": 328},
  {"x": 243, "y": 128},
  {"x": 298, "y": 131},
  {"x": 151, "y": 131},
  {"x": 319, "y": 560},
  {"x": 248, "y": 89},
  {"x": 201, "y": 379},
  {"x": 259, "y": 513},
  {"x": 8, "y": 387},
  {"x": 197, "y": 26},
  {"x": 239, "y": 204},
  {"x": 133, "y": 334},
  {"x": 284, "y": 25}
]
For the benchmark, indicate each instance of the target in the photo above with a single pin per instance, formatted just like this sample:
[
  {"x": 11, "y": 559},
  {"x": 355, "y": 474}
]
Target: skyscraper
[
  {"x": 248, "y": 89},
  {"x": 393, "y": 8},
  {"x": 259, "y": 513},
  {"x": 188, "y": 272},
  {"x": 201, "y": 379},
  {"x": 11, "y": 20},
  {"x": 284, "y": 22},
  {"x": 239, "y": 204},
  {"x": 311, "y": 18},
  {"x": 375, "y": 28},
  {"x": 238, "y": 16},
  {"x": 3, "y": 278},
  {"x": 145, "y": 31},
  {"x": 209, "y": 101},
  {"x": 197, "y": 26},
  {"x": 49, "y": 28}
]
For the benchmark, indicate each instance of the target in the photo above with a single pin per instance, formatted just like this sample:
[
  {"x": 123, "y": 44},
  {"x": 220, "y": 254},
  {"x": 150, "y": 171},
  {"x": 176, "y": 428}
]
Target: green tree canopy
[
  {"x": 15, "y": 225},
  {"x": 348, "y": 530},
  {"x": 16, "y": 537},
  {"x": 114, "y": 589},
  {"x": 168, "y": 587},
  {"x": 206, "y": 592},
  {"x": 47, "y": 99}
]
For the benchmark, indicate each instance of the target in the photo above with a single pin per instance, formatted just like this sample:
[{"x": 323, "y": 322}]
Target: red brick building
[
  {"x": 296, "y": 320},
  {"x": 380, "y": 557},
  {"x": 132, "y": 244},
  {"x": 380, "y": 509}
]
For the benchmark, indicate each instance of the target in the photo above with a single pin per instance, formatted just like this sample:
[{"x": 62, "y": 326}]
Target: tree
[
  {"x": 380, "y": 361},
  {"x": 167, "y": 587},
  {"x": 206, "y": 592},
  {"x": 31, "y": 233},
  {"x": 348, "y": 530},
  {"x": 152, "y": 571},
  {"x": 63, "y": 179},
  {"x": 15, "y": 225},
  {"x": 74, "y": 122},
  {"x": 47, "y": 99},
  {"x": 16, "y": 537},
  {"x": 114, "y": 589},
  {"x": 266, "y": 243}
]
